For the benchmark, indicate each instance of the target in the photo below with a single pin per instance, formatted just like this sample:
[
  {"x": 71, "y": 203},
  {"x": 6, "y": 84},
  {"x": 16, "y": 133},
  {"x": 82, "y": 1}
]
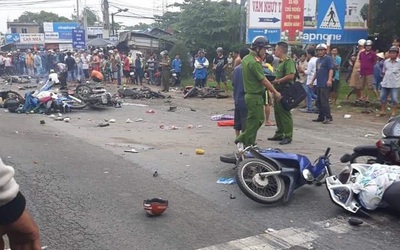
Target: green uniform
[
  {"x": 165, "y": 73},
  {"x": 254, "y": 90},
  {"x": 283, "y": 117}
]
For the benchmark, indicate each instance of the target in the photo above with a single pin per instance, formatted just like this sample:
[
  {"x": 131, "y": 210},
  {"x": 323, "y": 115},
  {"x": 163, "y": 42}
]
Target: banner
[
  {"x": 12, "y": 38},
  {"x": 31, "y": 38},
  {"x": 308, "y": 21},
  {"x": 63, "y": 31}
]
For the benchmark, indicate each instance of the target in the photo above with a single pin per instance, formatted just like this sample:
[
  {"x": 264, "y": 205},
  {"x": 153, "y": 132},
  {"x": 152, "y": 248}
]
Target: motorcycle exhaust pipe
[{"x": 266, "y": 174}]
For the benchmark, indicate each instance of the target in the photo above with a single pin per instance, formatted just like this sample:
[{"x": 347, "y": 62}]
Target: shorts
[
  {"x": 95, "y": 79},
  {"x": 240, "y": 118},
  {"x": 393, "y": 95},
  {"x": 335, "y": 86},
  {"x": 127, "y": 73},
  {"x": 267, "y": 100},
  {"x": 366, "y": 81},
  {"x": 220, "y": 77}
]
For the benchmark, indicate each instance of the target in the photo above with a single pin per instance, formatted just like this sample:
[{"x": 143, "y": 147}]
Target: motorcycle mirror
[{"x": 345, "y": 158}]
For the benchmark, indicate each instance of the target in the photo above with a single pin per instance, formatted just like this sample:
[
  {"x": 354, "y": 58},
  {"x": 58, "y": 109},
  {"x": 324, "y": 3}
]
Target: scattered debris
[
  {"x": 58, "y": 118},
  {"x": 172, "y": 109},
  {"x": 106, "y": 172},
  {"x": 129, "y": 120},
  {"x": 162, "y": 126},
  {"x": 112, "y": 121},
  {"x": 134, "y": 104},
  {"x": 192, "y": 109},
  {"x": 199, "y": 126},
  {"x": 270, "y": 230},
  {"x": 232, "y": 196},
  {"x": 327, "y": 225},
  {"x": 139, "y": 120},
  {"x": 190, "y": 126},
  {"x": 174, "y": 127},
  {"x": 131, "y": 151},
  {"x": 35, "y": 162},
  {"x": 150, "y": 111},
  {"x": 52, "y": 116},
  {"x": 155, "y": 174},
  {"x": 67, "y": 119},
  {"x": 16, "y": 132},
  {"x": 103, "y": 124},
  {"x": 200, "y": 151},
  {"x": 346, "y": 116},
  {"x": 369, "y": 135},
  {"x": 42, "y": 122},
  {"x": 227, "y": 181},
  {"x": 355, "y": 221}
]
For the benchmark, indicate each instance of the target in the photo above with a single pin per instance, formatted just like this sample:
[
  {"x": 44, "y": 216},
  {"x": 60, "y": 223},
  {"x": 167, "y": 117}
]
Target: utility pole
[
  {"x": 77, "y": 12},
  {"x": 106, "y": 19},
  {"x": 243, "y": 15}
]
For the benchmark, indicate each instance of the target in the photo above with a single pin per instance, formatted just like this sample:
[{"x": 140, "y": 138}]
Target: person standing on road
[
  {"x": 200, "y": 69},
  {"x": 311, "y": 69},
  {"x": 337, "y": 61},
  {"x": 355, "y": 75},
  {"x": 254, "y": 86},
  {"x": 165, "y": 64},
  {"x": 285, "y": 73},
  {"x": 391, "y": 81},
  {"x": 219, "y": 65},
  {"x": 176, "y": 65},
  {"x": 15, "y": 221},
  {"x": 324, "y": 77},
  {"x": 238, "y": 96},
  {"x": 70, "y": 62}
]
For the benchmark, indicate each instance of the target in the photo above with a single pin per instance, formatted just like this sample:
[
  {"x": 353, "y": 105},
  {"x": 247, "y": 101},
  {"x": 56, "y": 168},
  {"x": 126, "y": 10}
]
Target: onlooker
[
  {"x": 70, "y": 62},
  {"x": 15, "y": 221},
  {"x": 254, "y": 85},
  {"x": 127, "y": 69},
  {"x": 350, "y": 66},
  {"x": 30, "y": 63},
  {"x": 118, "y": 64},
  {"x": 367, "y": 62},
  {"x": 200, "y": 69},
  {"x": 378, "y": 72},
  {"x": 302, "y": 68},
  {"x": 236, "y": 59},
  {"x": 165, "y": 64},
  {"x": 310, "y": 86},
  {"x": 324, "y": 77},
  {"x": 176, "y": 65},
  {"x": 8, "y": 64},
  {"x": 391, "y": 81},
  {"x": 151, "y": 68},
  {"x": 285, "y": 73},
  {"x": 355, "y": 75},
  {"x": 337, "y": 61},
  {"x": 238, "y": 96},
  {"x": 268, "y": 100},
  {"x": 219, "y": 65},
  {"x": 138, "y": 69}
]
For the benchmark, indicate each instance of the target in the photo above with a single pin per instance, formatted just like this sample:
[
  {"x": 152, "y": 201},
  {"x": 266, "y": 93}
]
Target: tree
[
  {"x": 384, "y": 19},
  {"x": 139, "y": 26},
  {"x": 91, "y": 16}
]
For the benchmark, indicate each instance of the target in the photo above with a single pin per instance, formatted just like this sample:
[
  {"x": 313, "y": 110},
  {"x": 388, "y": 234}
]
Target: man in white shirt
[
  {"x": 311, "y": 69},
  {"x": 391, "y": 81}
]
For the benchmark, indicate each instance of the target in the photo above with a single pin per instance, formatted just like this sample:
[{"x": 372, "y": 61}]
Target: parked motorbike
[
  {"x": 385, "y": 150},
  {"x": 96, "y": 96},
  {"x": 11, "y": 99},
  {"x": 270, "y": 175},
  {"x": 343, "y": 188}
]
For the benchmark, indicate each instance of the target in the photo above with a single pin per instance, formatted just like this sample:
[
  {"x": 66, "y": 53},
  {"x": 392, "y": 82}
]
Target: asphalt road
[{"x": 86, "y": 193}]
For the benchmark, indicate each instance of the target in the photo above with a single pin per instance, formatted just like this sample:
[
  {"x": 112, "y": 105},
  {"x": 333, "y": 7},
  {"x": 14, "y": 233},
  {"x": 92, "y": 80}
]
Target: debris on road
[
  {"x": 155, "y": 174},
  {"x": 172, "y": 109},
  {"x": 346, "y": 116},
  {"x": 192, "y": 109},
  {"x": 327, "y": 225},
  {"x": 190, "y": 126},
  {"x": 232, "y": 197},
  {"x": 103, "y": 124},
  {"x": 270, "y": 230},
  {"x": 131, "y": 151},
  {"x": 355, "y": 221},
  {"x": 227, "y": 181},
  {"x": 221, "y": 117},
  {"x": 129, "y": 120},
  {"x": 369, "y": 135},
  {"x": 42, "y": 122},
  {"x": 150, "y": 111},
  {"x": 112, "y": 121},
  {"x": 162, "y": 126},
  {"x": 139, "y": 120},
  {"x": 200, "y": 151},
  {"x": 67, "y": 119}
]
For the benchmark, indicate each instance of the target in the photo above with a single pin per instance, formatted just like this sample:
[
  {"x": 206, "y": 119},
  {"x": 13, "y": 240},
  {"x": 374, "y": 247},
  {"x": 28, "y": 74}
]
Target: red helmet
[{"x": 155, "y": 206}]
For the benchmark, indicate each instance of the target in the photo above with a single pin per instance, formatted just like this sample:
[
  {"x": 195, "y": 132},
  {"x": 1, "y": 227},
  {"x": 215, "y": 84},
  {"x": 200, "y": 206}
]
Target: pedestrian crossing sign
[{"x": 331, "y": 19}]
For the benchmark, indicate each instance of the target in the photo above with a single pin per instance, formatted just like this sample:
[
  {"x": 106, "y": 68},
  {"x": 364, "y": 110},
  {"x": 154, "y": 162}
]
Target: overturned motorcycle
[
  {"x": 270, "y": 175},
  {"x": 96, "y": 96}
]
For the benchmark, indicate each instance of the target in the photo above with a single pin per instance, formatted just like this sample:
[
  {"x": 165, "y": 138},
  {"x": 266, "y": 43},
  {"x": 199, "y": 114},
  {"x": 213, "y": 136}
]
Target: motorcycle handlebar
[{"x": 327, "y": 152}]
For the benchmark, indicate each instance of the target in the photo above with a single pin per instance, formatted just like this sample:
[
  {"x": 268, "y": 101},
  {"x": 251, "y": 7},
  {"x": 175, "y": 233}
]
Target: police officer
[
  {"x": 285, "y": 73},
  {"x": 165, "y": 64},
  {"x": 254, "y": 82}
]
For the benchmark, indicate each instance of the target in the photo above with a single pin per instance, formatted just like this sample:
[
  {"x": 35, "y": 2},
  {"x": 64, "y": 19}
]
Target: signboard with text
[
  {"x": 63, "y": 31},
  {"x": 307, "y": 21},
  {"x": 78, "y": 39},
  {"x": 31, "y": 38}
]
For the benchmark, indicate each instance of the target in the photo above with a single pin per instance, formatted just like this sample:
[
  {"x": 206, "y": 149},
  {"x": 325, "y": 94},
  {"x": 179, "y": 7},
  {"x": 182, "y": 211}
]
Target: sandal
[{"x": 381, "y": 115}]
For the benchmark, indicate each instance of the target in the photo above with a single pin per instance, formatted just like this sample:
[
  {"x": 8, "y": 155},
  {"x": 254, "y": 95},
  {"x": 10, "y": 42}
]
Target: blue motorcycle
[{"x": 270, "y": 175}]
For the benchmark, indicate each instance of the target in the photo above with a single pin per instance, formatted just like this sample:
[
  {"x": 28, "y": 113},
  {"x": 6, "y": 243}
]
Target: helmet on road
[
  {"x": 368, "y": 43},
  {"x": 155, "y": 206},
  {"x": 220, "y": 49},
  {"x": 394, "y": 49},
  {"x": 361, "y": 42},
  {"x": 260, "y": 42}
]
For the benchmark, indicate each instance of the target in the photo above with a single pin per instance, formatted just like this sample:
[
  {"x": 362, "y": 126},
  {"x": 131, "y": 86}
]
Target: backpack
[{"x": 293, "y": 95}]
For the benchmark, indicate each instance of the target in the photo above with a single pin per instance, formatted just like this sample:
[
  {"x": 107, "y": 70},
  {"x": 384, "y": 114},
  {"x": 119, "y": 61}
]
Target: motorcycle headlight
[
  {"x": 396, "y": 130},
  {"x": 307, "y": 175}
]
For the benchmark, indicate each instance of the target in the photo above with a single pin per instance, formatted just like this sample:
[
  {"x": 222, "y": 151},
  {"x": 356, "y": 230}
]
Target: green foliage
[
  {"x": 90, "y": 14},
  {"x": 384, "y": 18},
  {"x": 40, "y": 18}
]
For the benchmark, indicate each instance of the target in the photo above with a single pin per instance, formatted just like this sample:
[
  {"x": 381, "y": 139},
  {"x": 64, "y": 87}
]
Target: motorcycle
[
  {"x": 385, "y": 150},
  {"x": 270, "y": 175},
  {"x": 360, "y": 188},
  {"x": 96, "y": 96}
]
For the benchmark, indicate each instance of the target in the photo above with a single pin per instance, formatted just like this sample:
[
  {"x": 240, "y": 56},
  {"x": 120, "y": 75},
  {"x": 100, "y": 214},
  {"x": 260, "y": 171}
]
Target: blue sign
[
  {"x": 331, "y": 16},
  {"x": 268, "y": 19},
  {"x": 314, "y": 36},
  {"x": 78, "y": 39},
  {"x": 64, "y": 27},
  {"x": 65, "y": 35},
  {"x": 273, "y": 35},
  {"x": 12, "y": 38}
]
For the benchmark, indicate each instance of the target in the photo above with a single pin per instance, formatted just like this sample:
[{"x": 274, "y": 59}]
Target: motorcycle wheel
[
  {"x": 83, "y": 91},
  {"x": 363, "y": 158},
  {"x": 262, "y": 190},
  {"x": 77, "y": 105},
  {"x": 228, "y": 158}
]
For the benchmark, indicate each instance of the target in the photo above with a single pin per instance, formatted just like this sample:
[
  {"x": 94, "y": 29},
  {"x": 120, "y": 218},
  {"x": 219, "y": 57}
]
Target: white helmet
[
  {"x": 321, "y": 46},
  {"x": 361, "y": 42}
]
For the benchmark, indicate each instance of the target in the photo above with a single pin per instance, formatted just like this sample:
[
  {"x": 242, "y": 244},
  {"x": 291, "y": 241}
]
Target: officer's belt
[{"x": 260, "y": 93}]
